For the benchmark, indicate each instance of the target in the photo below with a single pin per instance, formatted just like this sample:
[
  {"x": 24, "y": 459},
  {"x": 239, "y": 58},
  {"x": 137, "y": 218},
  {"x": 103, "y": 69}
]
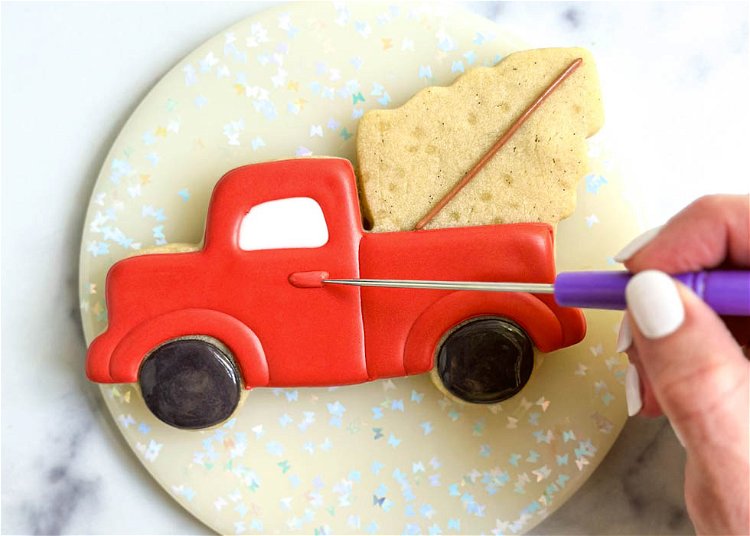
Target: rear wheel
[
  {"x": 190, "y": 383},
  {"x": 485, "y": 360}
]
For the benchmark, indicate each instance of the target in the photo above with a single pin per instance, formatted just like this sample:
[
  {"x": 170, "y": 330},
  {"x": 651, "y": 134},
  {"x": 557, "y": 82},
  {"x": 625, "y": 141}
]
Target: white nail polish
[
  {"x": 624, "y": 335},
  {"x": 654, "y": 304},
  {"x": 633, "y": 390},
  {"x": 677, "y": 435},
  {"x": 637, "y": 244}
]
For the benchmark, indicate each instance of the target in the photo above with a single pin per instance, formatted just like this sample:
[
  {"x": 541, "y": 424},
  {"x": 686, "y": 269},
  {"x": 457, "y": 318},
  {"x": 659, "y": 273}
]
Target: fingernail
[
  {"x": 624, "y": 335},
  {"x": 654, "y": 303},
  {"x": 636, "y": 244},
  {"x": 677, "y": 435},
  {"x": 633, "y": 390}
]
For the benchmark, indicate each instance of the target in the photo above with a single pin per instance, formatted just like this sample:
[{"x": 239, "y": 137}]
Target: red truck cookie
[{"x": 195, "y": 328}]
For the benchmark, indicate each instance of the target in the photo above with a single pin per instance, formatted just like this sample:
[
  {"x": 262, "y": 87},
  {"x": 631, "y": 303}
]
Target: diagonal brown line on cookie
[{"x": 498, "y": 145}]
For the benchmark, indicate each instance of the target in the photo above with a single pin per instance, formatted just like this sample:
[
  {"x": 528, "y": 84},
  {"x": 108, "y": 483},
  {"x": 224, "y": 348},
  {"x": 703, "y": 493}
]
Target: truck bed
[{"x": 514, "y": 252}]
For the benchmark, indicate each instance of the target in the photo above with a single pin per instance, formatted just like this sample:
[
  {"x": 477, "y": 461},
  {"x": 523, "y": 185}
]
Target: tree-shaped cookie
[{"x": 540, "y": 104}]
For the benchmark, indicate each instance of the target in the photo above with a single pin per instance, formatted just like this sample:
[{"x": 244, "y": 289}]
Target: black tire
[
  {"x": 486, "y": 360},
  {"x": 190, "y": 384}
]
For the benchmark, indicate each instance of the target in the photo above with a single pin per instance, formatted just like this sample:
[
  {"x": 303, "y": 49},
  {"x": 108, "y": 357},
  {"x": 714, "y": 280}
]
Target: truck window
[{"x": 296, "y": 222}]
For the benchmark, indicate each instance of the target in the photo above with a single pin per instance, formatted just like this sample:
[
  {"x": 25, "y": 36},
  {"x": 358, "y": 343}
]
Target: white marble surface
[{"x": 675, "y": 80}]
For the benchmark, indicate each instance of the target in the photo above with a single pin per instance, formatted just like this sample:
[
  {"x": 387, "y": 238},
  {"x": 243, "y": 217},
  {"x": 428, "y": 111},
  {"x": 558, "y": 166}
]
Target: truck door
[{"x": 305, "y": 218}]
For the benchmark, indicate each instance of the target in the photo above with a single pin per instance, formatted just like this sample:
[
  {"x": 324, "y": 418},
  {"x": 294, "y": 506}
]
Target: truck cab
[{"x": 243, "y": 311}]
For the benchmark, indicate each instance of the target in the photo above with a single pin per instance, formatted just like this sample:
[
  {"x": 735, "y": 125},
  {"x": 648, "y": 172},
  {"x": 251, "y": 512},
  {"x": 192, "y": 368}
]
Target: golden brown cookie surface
[{"x": 412, "y": 156}]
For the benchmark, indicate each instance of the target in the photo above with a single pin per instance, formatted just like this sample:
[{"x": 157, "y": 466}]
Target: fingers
[
  {"x": 684, "y": 360},
  {"x": 688, "y": 361},
  {"x": 638, "y": 392},
  {"x": 706, "y": 234},
  {"x": 713, "y": 231}
]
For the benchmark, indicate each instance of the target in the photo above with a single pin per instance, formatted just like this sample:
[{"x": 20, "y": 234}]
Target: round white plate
[{"x": 391, "y": 456}]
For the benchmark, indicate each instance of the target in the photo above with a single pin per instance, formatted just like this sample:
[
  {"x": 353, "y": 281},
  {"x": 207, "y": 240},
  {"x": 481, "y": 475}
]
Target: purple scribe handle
[
  {"x": 592, "y": 290},
  {"x": 726, "y": 292}
]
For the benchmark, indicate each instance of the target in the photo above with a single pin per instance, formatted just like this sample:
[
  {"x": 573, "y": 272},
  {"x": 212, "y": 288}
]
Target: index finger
[{"x": 712, "y": 231}]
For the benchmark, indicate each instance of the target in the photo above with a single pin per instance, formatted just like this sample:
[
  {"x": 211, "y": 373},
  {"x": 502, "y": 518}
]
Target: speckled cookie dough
[{"x": 410, "y": 157}]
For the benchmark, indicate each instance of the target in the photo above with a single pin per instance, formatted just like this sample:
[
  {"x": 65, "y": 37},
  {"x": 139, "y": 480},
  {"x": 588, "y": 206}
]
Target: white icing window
[{"x": 296, "y": 222}]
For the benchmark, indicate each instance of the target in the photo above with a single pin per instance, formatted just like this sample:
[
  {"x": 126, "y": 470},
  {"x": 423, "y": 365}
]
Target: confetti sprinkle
[
  {"x": 592, "y": 220},
  {"x": 594, "y": 183}
]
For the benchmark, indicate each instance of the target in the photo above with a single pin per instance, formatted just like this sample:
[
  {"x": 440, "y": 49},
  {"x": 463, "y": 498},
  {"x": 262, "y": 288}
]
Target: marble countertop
[{"x": 675, "y": 79}]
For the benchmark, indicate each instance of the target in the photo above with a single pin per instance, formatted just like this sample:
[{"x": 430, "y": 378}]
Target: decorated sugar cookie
[{"x": 193, "y": 328}]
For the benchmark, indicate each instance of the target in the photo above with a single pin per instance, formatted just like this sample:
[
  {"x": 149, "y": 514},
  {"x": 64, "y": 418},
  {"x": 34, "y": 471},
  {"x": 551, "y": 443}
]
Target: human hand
[{"x": 688, "y": 363}]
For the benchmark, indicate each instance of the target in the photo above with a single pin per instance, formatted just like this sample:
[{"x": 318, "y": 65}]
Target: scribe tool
[{"x": 727, "y": 292}]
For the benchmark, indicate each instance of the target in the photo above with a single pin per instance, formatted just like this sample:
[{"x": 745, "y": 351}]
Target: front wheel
[
  {"x": 485, "y": 360},
  {"x": 190, "y": 384}
]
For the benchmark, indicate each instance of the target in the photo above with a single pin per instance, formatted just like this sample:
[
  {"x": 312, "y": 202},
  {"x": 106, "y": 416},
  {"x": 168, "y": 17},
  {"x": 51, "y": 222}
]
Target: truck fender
[
  {"x": 526, "y": 310},
  {"x": 240, "y": 339}
]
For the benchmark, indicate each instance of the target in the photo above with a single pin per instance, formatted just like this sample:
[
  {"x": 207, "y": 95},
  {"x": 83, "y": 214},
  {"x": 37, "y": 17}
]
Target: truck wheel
[
  {"x": 486, "y": 360},
  {"x": 190, "y": 383}
]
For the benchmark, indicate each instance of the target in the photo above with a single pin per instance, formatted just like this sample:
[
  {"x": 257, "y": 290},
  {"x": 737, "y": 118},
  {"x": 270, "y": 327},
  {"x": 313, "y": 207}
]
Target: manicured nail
[
  {"x": 654, "y": 303},
  {"x": 677, "y": 435},
  {"x": 633, "y": 390},
  {"x": 637, "y": 244},
  {"x": 624, "y": 335}
]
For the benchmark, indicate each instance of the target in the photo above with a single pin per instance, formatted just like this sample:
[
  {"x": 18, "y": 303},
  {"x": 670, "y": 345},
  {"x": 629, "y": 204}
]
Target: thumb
[{"x": 697, "y": 371}]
